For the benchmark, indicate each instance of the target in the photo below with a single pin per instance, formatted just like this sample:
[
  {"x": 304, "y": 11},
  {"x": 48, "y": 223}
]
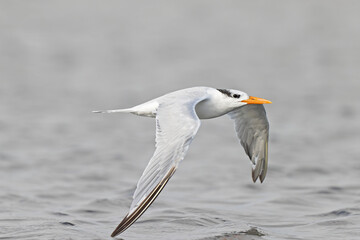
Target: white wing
[
  {"x": 252, "y": 128},
  {"x": 176, "y": 126}
]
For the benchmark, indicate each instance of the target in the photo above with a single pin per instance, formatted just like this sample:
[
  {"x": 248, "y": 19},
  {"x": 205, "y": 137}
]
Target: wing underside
[
  {"x": 130, "y": 219},
  {"x": 176, "y": 126},
  {"x": 252, "y": 128}
]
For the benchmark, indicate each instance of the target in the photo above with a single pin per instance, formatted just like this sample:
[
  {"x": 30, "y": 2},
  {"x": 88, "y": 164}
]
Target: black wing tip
[
  {"x": 121, "y": 227},
  {"x": 259, "y": 172},
  {"x": 262, "y": 180},
  {"x": 130, "y": 219},
  {"x": 254, "y": 176},
  {"x": 115, "y": 233},
  {"x": 261, "y": 177}
]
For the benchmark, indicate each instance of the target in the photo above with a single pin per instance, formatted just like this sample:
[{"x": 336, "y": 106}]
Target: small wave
[
  {"x": 333, "y": 223},
  {"x": 251, "y": 233},
  {"x": 59, "y": 214},
  {"x": 198, "y": 221},
  {"x": 329, "y": 190},
  {"x": 103, "y": 202},
  {"x": 67, "y": 223},
  {"x": 308, "y": 171},
  {"x": 337, "y": 213},
  {"x": 340, "y": 212},
  {"x": 90, "y": 211}
]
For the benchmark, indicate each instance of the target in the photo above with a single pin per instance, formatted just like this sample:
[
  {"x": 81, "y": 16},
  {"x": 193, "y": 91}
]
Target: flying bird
[{"x": 178, "y": 117}]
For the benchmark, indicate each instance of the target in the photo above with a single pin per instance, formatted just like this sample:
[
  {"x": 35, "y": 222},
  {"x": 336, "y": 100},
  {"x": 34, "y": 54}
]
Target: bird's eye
[{"x": 236, "y": 96}]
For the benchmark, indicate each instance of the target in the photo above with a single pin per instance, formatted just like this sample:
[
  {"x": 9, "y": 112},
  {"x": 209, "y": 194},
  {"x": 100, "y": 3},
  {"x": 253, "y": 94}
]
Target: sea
[{"x": 69, "y": 174}]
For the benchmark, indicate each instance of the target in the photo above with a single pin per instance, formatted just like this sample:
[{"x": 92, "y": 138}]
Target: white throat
[{"x": 214, "y": 106}]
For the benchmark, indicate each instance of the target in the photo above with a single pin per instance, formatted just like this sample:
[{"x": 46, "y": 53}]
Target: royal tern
[{"x": 178, "y": 117}]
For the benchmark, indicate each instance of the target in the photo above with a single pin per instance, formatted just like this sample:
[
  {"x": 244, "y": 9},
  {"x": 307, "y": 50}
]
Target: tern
[{"x": 178, "y": 117}]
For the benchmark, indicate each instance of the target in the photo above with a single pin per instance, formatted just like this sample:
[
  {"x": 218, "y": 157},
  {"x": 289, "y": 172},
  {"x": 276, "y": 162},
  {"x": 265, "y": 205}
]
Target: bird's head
[{"x": 236, "y": 98}]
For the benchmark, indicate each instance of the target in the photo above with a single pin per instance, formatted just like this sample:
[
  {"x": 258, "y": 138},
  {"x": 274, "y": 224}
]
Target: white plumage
[{"x": 178, "y": 117}]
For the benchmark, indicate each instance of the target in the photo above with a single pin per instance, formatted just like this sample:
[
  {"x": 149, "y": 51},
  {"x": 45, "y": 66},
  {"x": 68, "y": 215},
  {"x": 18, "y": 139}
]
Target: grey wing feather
[
  {"x": 176, "y": 126},
  {"x": 252, "y": 128}
]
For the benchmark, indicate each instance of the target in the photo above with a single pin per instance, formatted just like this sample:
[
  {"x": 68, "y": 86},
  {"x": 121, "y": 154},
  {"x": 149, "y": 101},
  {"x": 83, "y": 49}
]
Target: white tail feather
[
  {"x": 147, "y": 109},
  {"x": 126, "y": 110}
]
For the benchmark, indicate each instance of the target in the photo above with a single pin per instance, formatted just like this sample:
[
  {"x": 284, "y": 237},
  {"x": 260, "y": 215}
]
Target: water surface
[{"x": 68, "y": 174}]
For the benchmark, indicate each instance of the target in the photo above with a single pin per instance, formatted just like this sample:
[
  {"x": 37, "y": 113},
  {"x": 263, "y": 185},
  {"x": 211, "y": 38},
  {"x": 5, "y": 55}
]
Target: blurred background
[{"x": 66, "y": 173}]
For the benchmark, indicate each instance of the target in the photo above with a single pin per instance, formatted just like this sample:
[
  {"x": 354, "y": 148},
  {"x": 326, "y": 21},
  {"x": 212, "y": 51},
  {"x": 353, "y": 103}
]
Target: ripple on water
[
  {"x": 252, "y": 233},
  {"x": 343, "y": 212},
  {"x": 333, "y": 223},
  {"x": 59, "y": 214},
  {"x": 67, "y": 223},
  {"x": 198, "y": 221},
  {"x": 337, "y": 213},
  {"x": 90, "y": 211},
  {"x": 338, "y": 217}
]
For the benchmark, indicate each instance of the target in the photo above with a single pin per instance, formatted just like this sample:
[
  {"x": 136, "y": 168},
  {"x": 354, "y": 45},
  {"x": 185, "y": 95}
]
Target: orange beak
[{"x": 255, "y": 100}]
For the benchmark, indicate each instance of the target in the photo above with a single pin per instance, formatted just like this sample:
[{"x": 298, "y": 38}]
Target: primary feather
[{"x": 178, "y": 117}]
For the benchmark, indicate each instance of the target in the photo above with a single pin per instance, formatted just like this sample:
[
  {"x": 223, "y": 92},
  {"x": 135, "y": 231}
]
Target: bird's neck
[{"x": 211, "y": 108}]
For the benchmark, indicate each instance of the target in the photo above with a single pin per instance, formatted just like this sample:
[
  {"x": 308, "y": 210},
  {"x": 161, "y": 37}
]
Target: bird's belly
[{"x": 206, "y": 110}]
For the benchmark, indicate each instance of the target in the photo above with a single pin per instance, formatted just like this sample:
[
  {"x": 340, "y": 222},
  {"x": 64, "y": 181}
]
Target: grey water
[{"x": 66, "y": 173}]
